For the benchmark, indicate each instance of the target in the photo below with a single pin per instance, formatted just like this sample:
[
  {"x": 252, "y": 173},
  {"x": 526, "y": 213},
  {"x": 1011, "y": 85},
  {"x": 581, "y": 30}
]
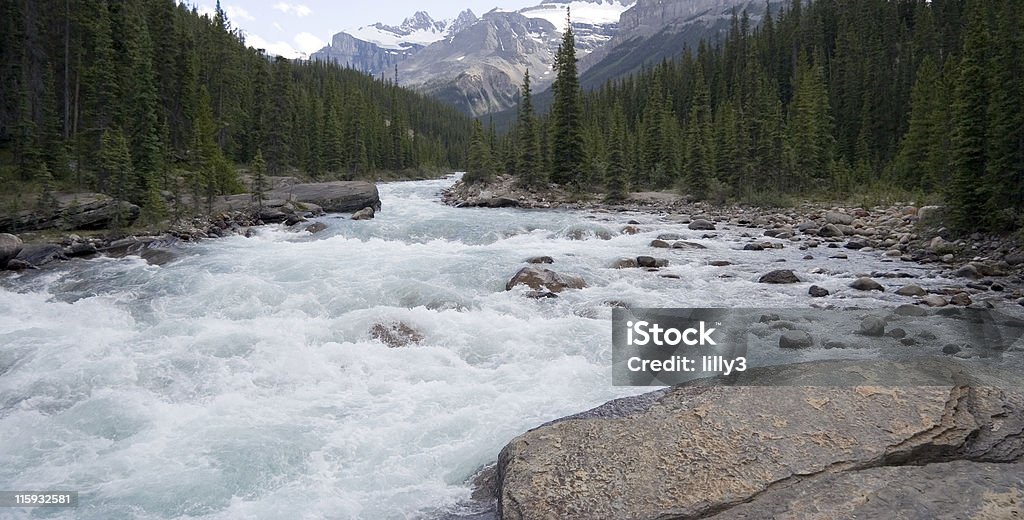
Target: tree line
[
  {"x": 819, "y": 98},
  {"x": 143, "y": 98}
]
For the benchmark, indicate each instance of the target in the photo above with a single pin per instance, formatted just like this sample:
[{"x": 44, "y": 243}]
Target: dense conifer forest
[
  {"x": 822, "y": 99},
  {"x": 141, "y": 99}
]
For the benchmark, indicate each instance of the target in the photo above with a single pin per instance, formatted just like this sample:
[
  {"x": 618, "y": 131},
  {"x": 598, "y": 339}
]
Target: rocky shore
[
  {"x": 289, "y": 203},
  {"x": 976, "y": 265}
]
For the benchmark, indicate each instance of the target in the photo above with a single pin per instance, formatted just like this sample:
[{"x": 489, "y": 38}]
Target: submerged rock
[
  {"x": 779, "y": 276},
  {"x": 538, "y": 278},
  {"x": 540, "y": 260},
  {"x": 363, "y": 214},
  {"x": 795, "y": 339},
  {"x": 866, "y": 284},
  {"x": 395, "y": 334}
]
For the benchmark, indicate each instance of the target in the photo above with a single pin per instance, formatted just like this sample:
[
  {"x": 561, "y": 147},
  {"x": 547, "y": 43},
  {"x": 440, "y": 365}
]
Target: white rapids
[{"x": 241, "y": 381}]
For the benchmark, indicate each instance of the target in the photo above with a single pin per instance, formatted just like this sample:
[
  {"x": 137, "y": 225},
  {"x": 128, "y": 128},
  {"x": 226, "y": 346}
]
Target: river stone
[
  {"x": 834, "y": 217},
  {"x": 830, "y": 230},
  {"x": 395, "y": 334},
  {"x": 41, "y": 254},
  {"x": 719, "y": 263},
  {"x": 934, "y": 300},
  {"x": 650, "y": 261},
  {"x": 857, "y": 243},
  {"x": 670, "y": 236},
  {"x": 316, "y": 227},
  {"x": 538, "y": 278},
  {"x": 817, "y": 292},
  {"x": 363, "y": 214},
  {"x": 630, "y": 230},
  {"x": 701, "y": 225},
  {"x": 682, "y": 244},
  {"x": 753, "y": 247},
  {"x": 872, "y": 326},
  {"x": 540, "y": 260},
  {"x": 10, "y": 246},
  {"x": 158, "y": 256},
  {"x": 795, "y": 339},
  {"x": 624, "y": 263},
  {"x": 691, "y": 452},
  {"x": 911, "y": 290},
  {"x": 19, "y": 265},
  {"x": 961, "y": 299},
  {"x": 779, "y": 276},
  {"x": 335, "y": 197},
  {"x": 660, "y": 243},
  {"x": 866, "y": 284},
  {"x": 1015, "y": 259}
]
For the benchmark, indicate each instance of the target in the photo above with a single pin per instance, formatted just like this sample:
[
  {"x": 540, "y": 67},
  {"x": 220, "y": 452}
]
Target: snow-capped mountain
[
  {"x": 474, "y": 63},
  {"x": 377, "y": 48}
]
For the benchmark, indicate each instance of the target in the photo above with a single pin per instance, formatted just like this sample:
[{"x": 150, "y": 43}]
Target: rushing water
[{"x": 241, "y": 381}]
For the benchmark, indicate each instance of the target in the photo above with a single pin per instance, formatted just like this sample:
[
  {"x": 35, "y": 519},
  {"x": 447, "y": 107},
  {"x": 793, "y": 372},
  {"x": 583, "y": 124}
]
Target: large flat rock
[
  {"x": 693, "y": 452},
  {"x": 336, "y": 197}
]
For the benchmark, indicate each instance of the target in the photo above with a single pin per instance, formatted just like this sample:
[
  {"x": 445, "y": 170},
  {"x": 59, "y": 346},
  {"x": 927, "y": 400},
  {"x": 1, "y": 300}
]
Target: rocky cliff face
[
  {"x": 481, "y": 67},
  {"x": 655, "y": 29},
  {"x": 377, "y": 48}
]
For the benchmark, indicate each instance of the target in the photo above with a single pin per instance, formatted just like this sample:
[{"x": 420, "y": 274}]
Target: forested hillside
[
  {"x": 138, "y": 98},
  {"x": 822, "y": 99}
]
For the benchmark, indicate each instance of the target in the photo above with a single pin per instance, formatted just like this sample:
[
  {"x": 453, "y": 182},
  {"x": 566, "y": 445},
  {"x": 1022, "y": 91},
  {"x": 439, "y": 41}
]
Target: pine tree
[
  {"x": 699, "y": 168},
  {"x": 922, "y": 159},
  {"x": 259, "y": 178},
  {"x": 615, "y": 183},
  {"x": 481, "y": 163},
  {"x": 966, "y": 194},
  {"x": 810, "y": 128},
  {"x": 1004, "y": 163},
  {"x": 528, "y": 165},
  {"x": 566, "y": 137}
]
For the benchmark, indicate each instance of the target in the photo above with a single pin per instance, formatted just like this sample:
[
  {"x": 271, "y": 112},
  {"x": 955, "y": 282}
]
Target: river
[{"x": 241, "y": 381}]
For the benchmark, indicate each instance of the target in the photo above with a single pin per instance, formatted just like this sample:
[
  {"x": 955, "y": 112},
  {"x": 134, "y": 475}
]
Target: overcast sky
[{"x": 293, "y": 28}]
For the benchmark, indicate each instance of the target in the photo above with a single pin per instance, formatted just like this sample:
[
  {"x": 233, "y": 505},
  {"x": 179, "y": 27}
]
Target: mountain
[
  {"x": 653, "y": 30},
  {"x": 475, "y": 63},
  {"x": 377, "y": 48}
]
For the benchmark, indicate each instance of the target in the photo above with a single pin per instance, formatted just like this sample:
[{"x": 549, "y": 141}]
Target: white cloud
[
  {"x": 277, "y": 48},
  {"x": 299, "y": 10},
  {"x": 278, "y": 27},
  {"x": 308, "y": 43},
  {"x": 235, "y": 12}
]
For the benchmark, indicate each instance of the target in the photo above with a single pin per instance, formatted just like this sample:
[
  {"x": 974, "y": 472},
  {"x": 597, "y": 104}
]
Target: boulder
[
  {"x": 911, "y": 290},
  {"x": 363, "y": 214},
  {"x": 19, "y": 265},
  {"x": 701, "y": 225},
  {"x": 538, "y": 278},
  {"x": 158, "y": 256},
  {"x": 682, "y": 244},
  {"x": 10, "y": 246},
  {"x": 1015, "y": 259},
  {"x": 41, "y": 254},
  {"x": 701, "y": 451},
  {"x": 650, "y": 261},
  {"x": 624, "y": 263},
  {"x": 540, "y": 260},
  {"x": 866, "y": 284},
  {"x": 395, "y": 334},
  {"x": 835, "y": 217},
  {"x": 660, "y": 244},
  {"x": 316, "y": 227},
  {"x": 817, "y": 292},
  {"x": 335, "y": 197},
  {"x": 872, "y": 326},
  {"x": 934, "y": 300},
  {"x": 930, "y": 216},
  {"x": 795, "y": 339},
  {"x": 779, "y": 276},
  {"x": 960, "y": 299},
  {"x": 830, "y": 230}
]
